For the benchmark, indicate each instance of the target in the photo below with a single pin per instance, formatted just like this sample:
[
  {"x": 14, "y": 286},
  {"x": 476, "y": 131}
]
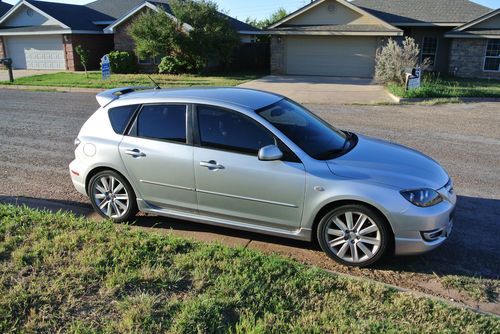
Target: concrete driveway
[
  {"x": 4, "y": 74},
  {"x": 322, "y": 90}
]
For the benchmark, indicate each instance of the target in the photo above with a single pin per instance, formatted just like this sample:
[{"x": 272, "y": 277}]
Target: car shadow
[{"x": 472, "y": 249}]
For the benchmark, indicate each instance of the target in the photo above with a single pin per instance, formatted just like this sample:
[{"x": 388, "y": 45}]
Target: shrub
[
  {"x": 178, "y": 64},
  {"x": 123, "y": 62},
  {"x": 392, "y": 60},
  {"x": 199, "y": 35}
]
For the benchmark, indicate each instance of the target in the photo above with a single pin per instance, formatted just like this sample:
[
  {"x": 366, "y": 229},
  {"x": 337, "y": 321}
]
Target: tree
[
  {"x": 392, "y": 60},
  {"x": 84, "y": 56},
  {"x": 273, "y": 18},
  {"x": 198, "y": 33},
  {"x": 153, "y": 33}
]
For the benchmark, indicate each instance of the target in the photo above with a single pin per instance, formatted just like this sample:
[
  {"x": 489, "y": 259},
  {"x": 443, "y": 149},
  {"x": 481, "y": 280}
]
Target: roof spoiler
[{"x": 110, "y": 95}]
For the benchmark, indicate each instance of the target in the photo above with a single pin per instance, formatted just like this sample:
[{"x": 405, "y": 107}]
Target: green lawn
[
  {"x": 433, "y": 87},
  {"x": 59, "y": 273},
  {"x": 78, "y": 79}
]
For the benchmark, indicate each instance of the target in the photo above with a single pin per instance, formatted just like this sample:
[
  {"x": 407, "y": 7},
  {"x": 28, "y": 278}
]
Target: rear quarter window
[{"x": 120, "y": 116}]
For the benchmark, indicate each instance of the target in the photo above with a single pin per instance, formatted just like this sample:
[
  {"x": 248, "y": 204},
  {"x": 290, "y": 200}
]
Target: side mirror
[{"x": 270, "y": 153}]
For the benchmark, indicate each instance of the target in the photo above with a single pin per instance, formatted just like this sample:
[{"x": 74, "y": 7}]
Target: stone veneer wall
[{"x": 467, "y": 58}]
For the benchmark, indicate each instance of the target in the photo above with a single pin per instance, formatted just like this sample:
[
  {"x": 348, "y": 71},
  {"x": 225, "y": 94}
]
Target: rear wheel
[
  {"x": 112, "y": 196},
  {"x": 354, "y": 235}
]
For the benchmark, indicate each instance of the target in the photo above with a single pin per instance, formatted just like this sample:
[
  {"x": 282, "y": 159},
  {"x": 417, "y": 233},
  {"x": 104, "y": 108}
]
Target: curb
[
  {"x": 57, "y": 89},
  {"x": 400, "y": 100},
  {"x": 415, "y": 293}
]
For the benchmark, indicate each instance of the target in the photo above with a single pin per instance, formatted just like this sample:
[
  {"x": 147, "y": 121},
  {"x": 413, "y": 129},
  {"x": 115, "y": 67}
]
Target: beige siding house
[
  {"x": 340, "y": 38},
  {"x": 329, "y": 37}
]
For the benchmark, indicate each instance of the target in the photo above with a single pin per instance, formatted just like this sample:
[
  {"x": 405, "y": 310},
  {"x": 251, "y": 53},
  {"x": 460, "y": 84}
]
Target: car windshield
[{"x": 313, "y": 135}]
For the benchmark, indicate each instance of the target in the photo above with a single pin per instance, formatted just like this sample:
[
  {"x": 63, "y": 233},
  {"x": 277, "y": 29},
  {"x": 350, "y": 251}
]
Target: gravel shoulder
[{"x": 37, "y": 130}]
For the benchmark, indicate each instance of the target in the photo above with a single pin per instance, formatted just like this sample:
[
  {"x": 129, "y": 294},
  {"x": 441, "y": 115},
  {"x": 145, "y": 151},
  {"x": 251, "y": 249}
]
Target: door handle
[
  {"x": 135, "y": 153},
  {"x": 211, "y": 165}
]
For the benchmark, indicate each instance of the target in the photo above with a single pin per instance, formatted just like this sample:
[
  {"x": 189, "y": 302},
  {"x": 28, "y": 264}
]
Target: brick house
[
  {"x": 340, "y": 38},
  {"x": 44, "y": 35}
]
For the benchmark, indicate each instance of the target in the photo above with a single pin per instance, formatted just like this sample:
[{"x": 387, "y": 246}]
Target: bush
[
  {"x": 123, "y": 62},
  {"x": 392, "y": 60},
  {"x": 179, "y": 64},
  {"x": 210, "y": 36}
]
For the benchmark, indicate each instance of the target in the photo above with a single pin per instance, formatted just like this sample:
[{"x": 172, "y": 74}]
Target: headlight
[{"x": 422, "y": 197}]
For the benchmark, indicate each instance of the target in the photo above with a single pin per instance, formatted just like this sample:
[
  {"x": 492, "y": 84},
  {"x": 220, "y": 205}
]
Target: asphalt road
[{"x": 37, "y": 130}]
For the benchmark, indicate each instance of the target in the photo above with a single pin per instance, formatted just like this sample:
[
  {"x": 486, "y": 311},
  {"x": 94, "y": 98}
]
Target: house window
[
  {"x": 429, "y": 49},
  {"x": 145, "y": 60},
  {"x": 492, "y": 58},
  {"x": 150, "y": 60}
]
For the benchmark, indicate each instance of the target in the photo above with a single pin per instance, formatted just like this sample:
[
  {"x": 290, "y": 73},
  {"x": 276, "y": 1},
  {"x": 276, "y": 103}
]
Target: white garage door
[
  {"x": 36, "y": 52},
  {"x": 345, "y": 56}
]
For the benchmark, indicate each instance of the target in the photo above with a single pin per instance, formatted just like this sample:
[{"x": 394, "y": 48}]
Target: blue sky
[{"x": 261, "y": 8}]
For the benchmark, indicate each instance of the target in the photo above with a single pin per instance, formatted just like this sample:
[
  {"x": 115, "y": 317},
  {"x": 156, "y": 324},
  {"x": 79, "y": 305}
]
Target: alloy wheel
[
  {"x": 111, "y": 196},
  {"x": 353, "y": 237}
]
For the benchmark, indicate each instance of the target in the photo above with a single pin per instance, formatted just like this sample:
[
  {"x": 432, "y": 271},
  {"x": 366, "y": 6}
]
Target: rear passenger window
[
  {"x": 120, "y": 116},
  {"x": 164, "y": 122}
]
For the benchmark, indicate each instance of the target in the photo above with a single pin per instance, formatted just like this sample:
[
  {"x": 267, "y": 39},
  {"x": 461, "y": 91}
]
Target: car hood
[{"x": 391, "y": 164}]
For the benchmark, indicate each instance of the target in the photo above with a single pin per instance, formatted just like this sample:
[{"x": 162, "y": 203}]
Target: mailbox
[{"x": 8, "y": 63}]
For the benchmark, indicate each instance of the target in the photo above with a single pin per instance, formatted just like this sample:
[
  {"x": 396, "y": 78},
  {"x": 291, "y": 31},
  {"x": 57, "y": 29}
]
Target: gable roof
[
  {"x": 118, "y": 8},
  {"x": 89, "y": 18},
  {"x": 76, "y": 17},
  {"x": 379, "y": 28},
  {"x": 472, "y": 30},
  {"x": 121, "y": 10},
  {"x": 4, "y": 8},
  {"x": 423, "y": 12},
  {"x": 237, "y": 25}
]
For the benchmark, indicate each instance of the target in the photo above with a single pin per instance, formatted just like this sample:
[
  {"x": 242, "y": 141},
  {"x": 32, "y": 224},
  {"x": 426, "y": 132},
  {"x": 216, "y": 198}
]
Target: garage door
[
  {"x": 36, "y": 52},
  {"x": 331, "y": 55}
]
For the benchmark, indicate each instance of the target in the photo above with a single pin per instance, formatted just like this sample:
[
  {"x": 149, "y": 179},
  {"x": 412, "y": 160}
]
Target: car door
[
  {"x": 232, "y": 183},
  {"x": 159, "y": 157}
]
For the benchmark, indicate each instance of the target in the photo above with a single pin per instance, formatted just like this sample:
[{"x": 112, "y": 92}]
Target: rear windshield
[{"x": 120, "y": 116}]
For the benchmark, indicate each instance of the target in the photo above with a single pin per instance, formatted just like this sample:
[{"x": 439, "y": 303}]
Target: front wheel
[
  {"x": 353, "y": 235},
  {"x": 112, "y": 196}
]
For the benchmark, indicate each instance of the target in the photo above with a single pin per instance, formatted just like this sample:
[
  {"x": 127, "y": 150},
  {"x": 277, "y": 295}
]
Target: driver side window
[{"x": 231, "y": 131}]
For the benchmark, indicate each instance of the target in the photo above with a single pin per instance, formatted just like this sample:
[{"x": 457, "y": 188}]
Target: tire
[
  {"x": 119, "y": 203},
  {"x": 354, "y": 235}
]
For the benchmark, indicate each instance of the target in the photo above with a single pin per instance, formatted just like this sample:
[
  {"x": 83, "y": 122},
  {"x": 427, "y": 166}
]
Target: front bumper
[{"x": 419, "y": 230}]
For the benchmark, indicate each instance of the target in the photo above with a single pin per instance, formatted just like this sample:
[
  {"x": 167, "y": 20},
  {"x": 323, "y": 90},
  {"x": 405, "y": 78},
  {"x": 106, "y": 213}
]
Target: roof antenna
[{"x": 155, "y": 83}]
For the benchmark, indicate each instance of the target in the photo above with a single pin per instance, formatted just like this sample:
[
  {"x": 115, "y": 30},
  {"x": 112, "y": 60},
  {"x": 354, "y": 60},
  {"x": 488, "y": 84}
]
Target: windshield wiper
[{"x": 330, "y": 154}]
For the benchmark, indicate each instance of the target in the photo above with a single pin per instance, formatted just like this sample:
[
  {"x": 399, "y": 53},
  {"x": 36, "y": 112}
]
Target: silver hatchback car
[{"x": 259, "y": 162}]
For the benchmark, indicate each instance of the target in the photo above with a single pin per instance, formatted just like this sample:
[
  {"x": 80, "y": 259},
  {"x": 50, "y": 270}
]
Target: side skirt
[{"x": 303, "y": 234}]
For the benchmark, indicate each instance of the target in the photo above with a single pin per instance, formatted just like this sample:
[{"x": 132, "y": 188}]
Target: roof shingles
[
  {"x": 423, "y": 11},
  {"x": 82, "y": 18},
  {"x": 4, "y": 8},
  {"x": 74, "y": 16}
]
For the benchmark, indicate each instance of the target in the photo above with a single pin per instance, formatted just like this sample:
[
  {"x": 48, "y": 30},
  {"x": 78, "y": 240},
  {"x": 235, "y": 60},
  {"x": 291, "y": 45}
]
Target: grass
[
  {"x": 60, "y": 273},
  {"x": 77, "y": 79},
  {"x": 481, "y": 289},
  {"x": 442, "y": 87}
]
